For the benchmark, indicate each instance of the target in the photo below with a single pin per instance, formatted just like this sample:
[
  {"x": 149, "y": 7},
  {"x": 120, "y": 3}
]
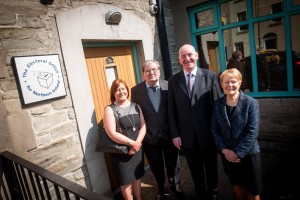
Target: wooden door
[
  {"x": 212, "y": 54},
  {"x": 105, "y": 64}
]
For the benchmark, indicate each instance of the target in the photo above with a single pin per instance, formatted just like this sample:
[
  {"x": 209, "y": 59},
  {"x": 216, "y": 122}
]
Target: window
[
  {"x": 205, "y": 18},
  {"x": 241, "y": 16},
  {"x": 276, "y": 8},
  {"x": 270, "y": 46},
  {"x": 270, "y": 40},
  {"x": 295, "y": 51},
  {"x": 239, "y": 46}
]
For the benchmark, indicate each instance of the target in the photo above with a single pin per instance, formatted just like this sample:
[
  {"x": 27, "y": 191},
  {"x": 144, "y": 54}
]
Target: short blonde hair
[{"x": 234, "y": 72}]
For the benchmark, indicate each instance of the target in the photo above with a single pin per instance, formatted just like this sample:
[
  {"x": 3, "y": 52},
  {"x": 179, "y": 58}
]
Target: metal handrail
[{"x": 21, "y": 179}]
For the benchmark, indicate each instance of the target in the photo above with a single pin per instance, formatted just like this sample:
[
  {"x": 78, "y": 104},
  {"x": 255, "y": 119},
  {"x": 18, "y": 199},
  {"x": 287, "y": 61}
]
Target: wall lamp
[{"x": 113, "y": 17}]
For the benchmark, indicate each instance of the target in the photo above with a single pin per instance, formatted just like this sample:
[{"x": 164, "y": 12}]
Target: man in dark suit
[
  {"x": 152, "y": 96},
  {"x": 190, "y": 102}
]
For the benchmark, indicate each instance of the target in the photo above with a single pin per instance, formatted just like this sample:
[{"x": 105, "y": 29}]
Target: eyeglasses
[{"x": 154, "y": 70}]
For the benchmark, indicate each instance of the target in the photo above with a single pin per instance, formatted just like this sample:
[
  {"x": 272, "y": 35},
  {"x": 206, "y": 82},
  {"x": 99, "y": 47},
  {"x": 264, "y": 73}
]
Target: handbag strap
[{"x": 113, "y": 107}]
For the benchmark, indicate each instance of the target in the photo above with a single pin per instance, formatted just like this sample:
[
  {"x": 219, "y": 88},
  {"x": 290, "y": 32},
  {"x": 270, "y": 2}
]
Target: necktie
[
  {"x": 189, "y": 83},
  {"x": 153, "y": 88}
]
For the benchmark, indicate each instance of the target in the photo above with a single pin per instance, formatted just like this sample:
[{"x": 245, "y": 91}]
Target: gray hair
[{"x": 148, "y": 62}]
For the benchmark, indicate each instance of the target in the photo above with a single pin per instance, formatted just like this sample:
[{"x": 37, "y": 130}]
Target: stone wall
[{"x": 45, "y": 133}]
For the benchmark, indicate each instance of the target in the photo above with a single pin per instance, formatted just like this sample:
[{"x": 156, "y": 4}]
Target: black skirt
[{"x": 247, "y": 173}]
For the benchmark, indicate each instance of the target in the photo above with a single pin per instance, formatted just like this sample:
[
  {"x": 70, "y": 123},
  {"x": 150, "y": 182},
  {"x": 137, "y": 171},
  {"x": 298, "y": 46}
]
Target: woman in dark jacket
[{"x": 235, "y": 127}]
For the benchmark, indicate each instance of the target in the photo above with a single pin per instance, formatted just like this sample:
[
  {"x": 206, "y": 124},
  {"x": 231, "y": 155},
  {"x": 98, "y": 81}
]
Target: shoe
[{"x": 176, "y": 190}]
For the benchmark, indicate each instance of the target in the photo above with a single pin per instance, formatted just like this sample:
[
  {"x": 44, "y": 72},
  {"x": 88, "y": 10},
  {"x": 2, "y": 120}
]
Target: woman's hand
[
  {"x": 135, "y": 146},
  {"x": 231, "y": 156}
]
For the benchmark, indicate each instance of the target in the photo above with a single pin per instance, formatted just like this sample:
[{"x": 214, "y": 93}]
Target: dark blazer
[
  {"x": 156, "y": 122},
  {"x": 239, "y": 133},
  {"x": 190, "y": 118}
]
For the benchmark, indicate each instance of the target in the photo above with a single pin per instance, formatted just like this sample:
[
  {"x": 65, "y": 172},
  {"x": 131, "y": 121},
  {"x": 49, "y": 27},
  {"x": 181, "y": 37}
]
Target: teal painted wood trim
[
  {"x": 137, "y": 67},
  {"x": 136, "y": 64}
]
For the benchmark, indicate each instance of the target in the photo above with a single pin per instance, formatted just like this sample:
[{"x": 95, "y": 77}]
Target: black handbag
[{"x": 107, "y": 145}]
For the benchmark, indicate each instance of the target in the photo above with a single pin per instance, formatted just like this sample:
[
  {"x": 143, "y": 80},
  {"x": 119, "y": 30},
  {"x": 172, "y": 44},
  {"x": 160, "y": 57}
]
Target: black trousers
[
  {"x": 161, "y": 155},
  {"x": 204, "y": 171}
]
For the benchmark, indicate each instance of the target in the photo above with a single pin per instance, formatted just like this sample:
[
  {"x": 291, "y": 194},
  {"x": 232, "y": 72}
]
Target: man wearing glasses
[{"x": 152, "y": 96}]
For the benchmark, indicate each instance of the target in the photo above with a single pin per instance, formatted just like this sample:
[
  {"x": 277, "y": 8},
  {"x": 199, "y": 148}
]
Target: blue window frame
[{"x": 267, "y": 34}]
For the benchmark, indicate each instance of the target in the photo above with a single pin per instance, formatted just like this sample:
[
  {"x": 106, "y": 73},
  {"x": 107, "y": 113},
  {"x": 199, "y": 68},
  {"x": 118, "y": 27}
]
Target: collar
[
  {"x": 194, "y": 72},
  {"x": 157, "y": 84}
]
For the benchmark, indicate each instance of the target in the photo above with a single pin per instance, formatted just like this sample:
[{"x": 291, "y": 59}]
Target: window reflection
[
  {"x": 234, "y": 41},
  {"x": 271, "y": 56},
  {"x": 296, "y": 2},
  {"x": 295, "y": 27},
  {"x": 262, "y": 8},
  {"x": 233, "y": 11},
  {"x": 208, "y": 49},
  {"x": 205, "y": 18}
]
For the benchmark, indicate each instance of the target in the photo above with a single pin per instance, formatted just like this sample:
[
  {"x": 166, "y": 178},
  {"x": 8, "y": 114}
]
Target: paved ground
[
  {"x": 149, "y": 190},
  {"x": 278, "y": 184}
]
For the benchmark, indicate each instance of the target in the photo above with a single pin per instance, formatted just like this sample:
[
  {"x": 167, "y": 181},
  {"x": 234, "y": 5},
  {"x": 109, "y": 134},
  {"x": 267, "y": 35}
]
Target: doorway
[{"x": 105, "y": 64}]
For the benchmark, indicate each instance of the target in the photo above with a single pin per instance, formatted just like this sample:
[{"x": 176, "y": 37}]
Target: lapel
[
  {"x": 182, "y": 83},
  {"x": 238, "y": 108},
  {"x": 197, "y": 91},
  {"x": 224, "y": 112},
  {"x": 163, "y": 94},
  {"x": 144, "y": 92}
]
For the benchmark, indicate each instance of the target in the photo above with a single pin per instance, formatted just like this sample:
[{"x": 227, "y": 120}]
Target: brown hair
[
  {"x": 234, "y": 72},
  {"x": 236, "y": 55},
  {"x": 114, "y": 86}
]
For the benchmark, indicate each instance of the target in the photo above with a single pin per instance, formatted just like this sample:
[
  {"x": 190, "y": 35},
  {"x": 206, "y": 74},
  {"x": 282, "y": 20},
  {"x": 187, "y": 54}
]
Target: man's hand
[{"x": 177, "y": 142}]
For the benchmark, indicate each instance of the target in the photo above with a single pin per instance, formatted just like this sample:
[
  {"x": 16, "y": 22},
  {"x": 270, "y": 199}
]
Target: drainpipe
[{"x": 163, "y": 39}]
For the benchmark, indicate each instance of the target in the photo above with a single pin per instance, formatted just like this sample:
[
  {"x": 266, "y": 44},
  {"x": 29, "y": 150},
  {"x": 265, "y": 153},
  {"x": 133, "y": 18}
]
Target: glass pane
[
  {"x": 205, "y": 18},
  {"x": 262, "y": 8},
  {"x": 296, "y": 2},
  {"x": 237, "y": 51},
  {"x": 271, "y": 56},
  {"x": 110, "y": 75},
  {"x": 295, "y": 27},
  {"x": 233, "y": 11},
  {"x": 209, "y": 56}
]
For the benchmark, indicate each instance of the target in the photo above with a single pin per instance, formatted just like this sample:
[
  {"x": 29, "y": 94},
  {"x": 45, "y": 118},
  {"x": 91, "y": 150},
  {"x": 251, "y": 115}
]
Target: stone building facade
[
  {"x": 58, "y": 134},
  {"x": 48, "y": 133}
]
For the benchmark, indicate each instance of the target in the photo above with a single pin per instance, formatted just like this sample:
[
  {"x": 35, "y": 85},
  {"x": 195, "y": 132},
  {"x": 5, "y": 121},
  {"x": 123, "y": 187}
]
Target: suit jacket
[
  {"x": 190, "y": 118},
  {"x": 238, "y": 133},
  {"x": 156, "y": 122}
]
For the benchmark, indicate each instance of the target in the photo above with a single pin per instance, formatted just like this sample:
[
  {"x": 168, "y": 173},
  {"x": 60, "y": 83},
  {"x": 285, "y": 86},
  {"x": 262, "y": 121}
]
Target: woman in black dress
[{"x": 129, "y": 168}]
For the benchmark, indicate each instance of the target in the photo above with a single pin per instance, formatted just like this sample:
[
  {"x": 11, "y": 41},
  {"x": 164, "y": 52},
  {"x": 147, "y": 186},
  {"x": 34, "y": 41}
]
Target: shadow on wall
[
  {"x": 97, "y": 176},
  {"x": 4, "y": 127}
]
